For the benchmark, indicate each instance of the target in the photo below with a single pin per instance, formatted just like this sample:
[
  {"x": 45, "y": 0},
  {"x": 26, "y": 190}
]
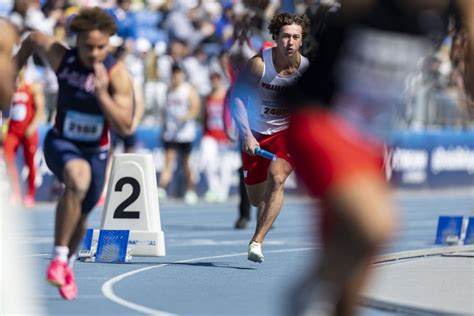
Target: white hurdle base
[{"x": 142, "y": 243}]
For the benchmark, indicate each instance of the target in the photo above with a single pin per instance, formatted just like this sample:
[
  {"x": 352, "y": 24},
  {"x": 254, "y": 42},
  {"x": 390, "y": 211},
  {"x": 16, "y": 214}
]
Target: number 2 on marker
[{"x": 120, "y": 210}]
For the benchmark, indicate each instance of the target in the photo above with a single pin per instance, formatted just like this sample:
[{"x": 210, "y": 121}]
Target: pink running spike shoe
[
  {"x": 56, "y": 272},
  {"x": 69, "y": 290}
]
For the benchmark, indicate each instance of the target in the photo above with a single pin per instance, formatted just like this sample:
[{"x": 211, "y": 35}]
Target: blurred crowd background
[{"x": 200, "y": 35}]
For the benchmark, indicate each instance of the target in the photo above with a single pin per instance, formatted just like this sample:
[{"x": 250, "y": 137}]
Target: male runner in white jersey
[{"x": 263, "y": 121}]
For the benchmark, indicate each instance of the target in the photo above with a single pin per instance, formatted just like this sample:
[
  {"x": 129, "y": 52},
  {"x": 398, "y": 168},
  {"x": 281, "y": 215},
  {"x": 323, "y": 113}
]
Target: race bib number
[
  {"x": 83, "y": 127},
  {"x": 18, "y": 112},
  {"x": 271, "y": 110}
]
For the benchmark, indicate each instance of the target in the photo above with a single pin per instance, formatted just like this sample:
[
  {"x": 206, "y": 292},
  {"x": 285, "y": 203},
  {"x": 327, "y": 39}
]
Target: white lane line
[
  {"x": 213, "y": 242},
  {"x": 36, "y": 255},
  {"x": 369, "y": 300},
  {"x": 107, "y": 287},
  {"x": 437, "y": 251}
]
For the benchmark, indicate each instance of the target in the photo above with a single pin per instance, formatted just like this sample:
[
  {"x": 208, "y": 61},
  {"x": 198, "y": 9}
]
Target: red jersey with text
[
  {"x": 22, "y": 110},
  {"x": 79, "y": 115}
]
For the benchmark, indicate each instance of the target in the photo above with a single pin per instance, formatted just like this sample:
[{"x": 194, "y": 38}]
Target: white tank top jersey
[
  {"x": 176, "y": 107},
  {"x": 265, "y": 113}
]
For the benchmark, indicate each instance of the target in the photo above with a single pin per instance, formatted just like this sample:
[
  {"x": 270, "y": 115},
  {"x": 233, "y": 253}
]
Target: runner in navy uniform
[
  {"x": 342, "y": 107},
  {"x": 94, "y": 91}
]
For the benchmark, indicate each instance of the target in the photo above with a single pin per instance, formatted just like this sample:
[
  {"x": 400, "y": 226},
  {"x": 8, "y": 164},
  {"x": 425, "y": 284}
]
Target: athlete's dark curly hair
[
  {"x": 90, "y": 19},
  {"x": 285, "y": 18}
]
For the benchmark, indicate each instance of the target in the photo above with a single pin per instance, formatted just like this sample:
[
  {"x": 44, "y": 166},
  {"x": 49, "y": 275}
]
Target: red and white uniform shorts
[{"x": 255, "y": 167}]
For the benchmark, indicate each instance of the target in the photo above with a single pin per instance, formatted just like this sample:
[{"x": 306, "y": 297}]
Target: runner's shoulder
[{"x": 255, "y": 65}]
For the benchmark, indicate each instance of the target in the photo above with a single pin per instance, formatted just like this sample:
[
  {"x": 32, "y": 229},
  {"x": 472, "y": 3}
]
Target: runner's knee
[
  {"x": 79, "y": 189},
  {"x": 77, "y": 180},
  {"x": 277, "y": 180},
  {"x": 278, "y": 172}
]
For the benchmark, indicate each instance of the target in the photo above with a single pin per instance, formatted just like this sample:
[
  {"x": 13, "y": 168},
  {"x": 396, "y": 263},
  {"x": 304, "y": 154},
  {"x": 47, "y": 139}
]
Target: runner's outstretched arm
[
  {"x": 7, "y": 68},
  {"x": 245, "y": 86},
  {"x": 42, "y": 44}
]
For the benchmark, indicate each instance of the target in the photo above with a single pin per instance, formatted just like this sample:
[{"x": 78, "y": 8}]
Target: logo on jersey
[
  {"x": 78, "y": 80},
  {"x": 273, "y": 87}
]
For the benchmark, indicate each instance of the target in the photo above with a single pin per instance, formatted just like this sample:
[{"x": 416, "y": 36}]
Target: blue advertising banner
[{"x": 432, "y": 158}]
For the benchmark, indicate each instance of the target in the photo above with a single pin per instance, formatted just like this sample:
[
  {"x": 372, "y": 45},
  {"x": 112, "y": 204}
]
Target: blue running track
[{"x": 206, "y": 272}]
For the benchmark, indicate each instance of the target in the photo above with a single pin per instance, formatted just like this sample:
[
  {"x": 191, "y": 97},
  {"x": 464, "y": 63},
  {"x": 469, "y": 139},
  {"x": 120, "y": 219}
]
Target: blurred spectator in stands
[
  {"x": 27, "y": 15},
  {"x": 50, "y": 89},
  {"x": 222, "y": 66},
  {"x": 196, "y": 67},
  {"x": 215, "y": 142},
  {"x": 25, "y": 114},
  {"x": 179, "y": 132},
  {"x": 263, "y": 11},
  {"x": 125, "y": 19},
  {"x": 445, "y": 94},
  {"x": 135, "y": 59},
  {"x": 176, "y": 52},
  {"x": 416, "y": 97},
  {"x": 18, "y": 14},
  {"x": 224, "y": 26},
  {"x": 187, "y": 22},
  {"x": 154, "y": 89}
]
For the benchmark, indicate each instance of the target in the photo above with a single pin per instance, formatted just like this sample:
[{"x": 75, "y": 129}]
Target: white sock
[
  {"x": 61, "y": 253},
  {"x": 71, "y": 261}
]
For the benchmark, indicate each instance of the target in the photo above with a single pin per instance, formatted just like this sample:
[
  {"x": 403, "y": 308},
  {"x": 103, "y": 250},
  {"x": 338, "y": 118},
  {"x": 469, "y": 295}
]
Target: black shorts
[{"x": 184, "y": 148}]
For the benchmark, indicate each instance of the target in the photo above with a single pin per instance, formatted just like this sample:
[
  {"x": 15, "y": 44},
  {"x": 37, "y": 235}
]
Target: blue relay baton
[{"x": 265, "y": 154}]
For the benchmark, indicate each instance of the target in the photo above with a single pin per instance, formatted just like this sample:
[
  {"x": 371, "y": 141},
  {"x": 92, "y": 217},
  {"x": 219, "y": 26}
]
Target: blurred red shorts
[{"x": 327, "y": 150}]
